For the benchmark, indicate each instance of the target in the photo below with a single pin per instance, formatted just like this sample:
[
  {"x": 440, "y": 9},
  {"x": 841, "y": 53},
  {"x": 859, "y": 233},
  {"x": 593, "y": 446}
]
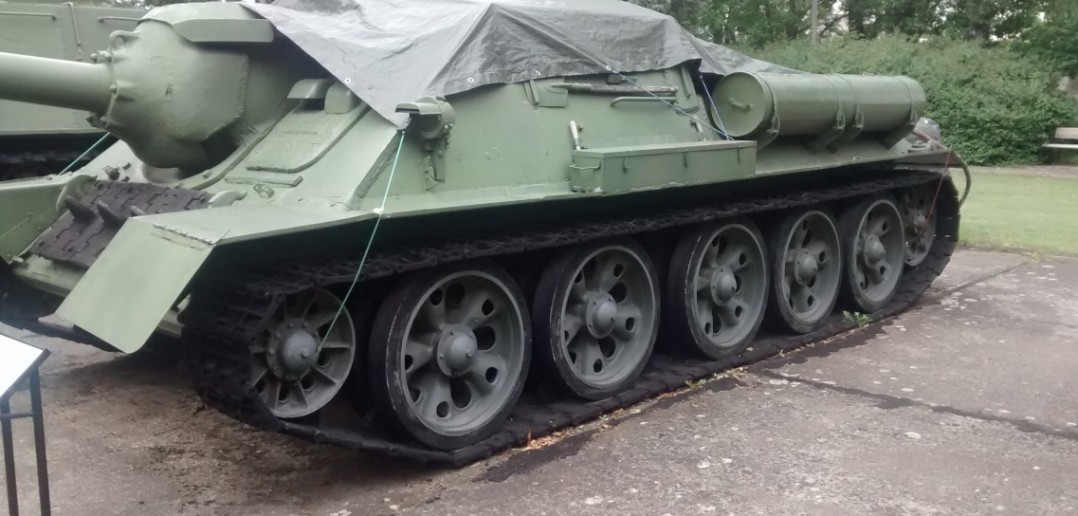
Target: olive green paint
[
  {"x": 292, "y": 159},
  {"x": 645, "y": 167},
  {"x": 134, "y": 284}
]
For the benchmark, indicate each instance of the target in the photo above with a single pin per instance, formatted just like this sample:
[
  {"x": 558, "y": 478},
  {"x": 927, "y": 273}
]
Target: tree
[
  {"x": 755, "y": 23},
  {"x": 983, "y": 20},
  {"x": 687, "y": 12},
  {"x": 1056, "y": 38},
  {"x": 741, "y": 22},
  {"x": 873, "y": 18},
  {"x": 991, "y": 19}
]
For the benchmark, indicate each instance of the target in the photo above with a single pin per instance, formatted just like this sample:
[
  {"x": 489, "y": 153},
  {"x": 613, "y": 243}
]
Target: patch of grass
[
  {"x": 1020, "y": 212},
  {"x": 695, "y": 384},
  {"x": 858, "y": 318}
]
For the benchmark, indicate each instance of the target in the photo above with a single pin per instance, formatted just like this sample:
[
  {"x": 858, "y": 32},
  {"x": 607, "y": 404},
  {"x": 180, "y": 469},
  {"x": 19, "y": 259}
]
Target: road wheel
[
  {"x": 596, "y": 315},
  {"x": 919, "y": 222},
  {"x": 874, "y": 247},
  {"x": 718, "y": 287},
  {"x": 450, "y": 351},
  {"x": 806, "y": 267},
  {"x": 307, "y": 355}
]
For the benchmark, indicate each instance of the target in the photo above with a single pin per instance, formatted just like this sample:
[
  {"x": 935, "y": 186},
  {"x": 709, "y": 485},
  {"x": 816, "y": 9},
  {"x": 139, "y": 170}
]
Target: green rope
[
  {"x": 370, "y": 242},
  {"x": 84, "y": 154}
]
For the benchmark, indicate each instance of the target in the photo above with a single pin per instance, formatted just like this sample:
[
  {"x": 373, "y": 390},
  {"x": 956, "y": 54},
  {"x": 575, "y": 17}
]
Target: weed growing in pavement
[{"x": 858, "y": 318}]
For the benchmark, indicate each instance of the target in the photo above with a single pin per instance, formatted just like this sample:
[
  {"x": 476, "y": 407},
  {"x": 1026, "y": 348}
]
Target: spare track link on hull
[{"x": 226, "y": 313}]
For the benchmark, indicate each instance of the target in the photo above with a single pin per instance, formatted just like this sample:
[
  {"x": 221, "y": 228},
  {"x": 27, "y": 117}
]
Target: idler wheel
[
  {"x": 806, "y": 267},
  {"x": 717, "y": 288},
  {"x": 919, "y": 222},
  {"x": 596, "y": 316},
  {"x": 874, "y": 248},
  {"x": 450, "y": 350},
  {"x": 306, "y": 358}
]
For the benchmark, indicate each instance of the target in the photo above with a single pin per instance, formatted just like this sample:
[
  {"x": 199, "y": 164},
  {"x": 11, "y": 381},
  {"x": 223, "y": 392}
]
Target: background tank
[
  {"x": 415, "y": 229},
  {"x": 35, "y": 139}
]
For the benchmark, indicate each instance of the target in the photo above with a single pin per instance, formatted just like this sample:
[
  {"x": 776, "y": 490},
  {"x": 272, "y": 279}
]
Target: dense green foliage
[
  {"x": 995, "y": 105},
  {"x": 745, "y": 22},
  {"x": 759, "y": 22},
  {"x": 1056, "y": 40}
]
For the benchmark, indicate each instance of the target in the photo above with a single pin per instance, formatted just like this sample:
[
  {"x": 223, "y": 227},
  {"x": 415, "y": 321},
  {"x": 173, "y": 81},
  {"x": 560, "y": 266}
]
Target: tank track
[
  {"x": 24, "y": 165},
  {"x": 227, "y": 312}
]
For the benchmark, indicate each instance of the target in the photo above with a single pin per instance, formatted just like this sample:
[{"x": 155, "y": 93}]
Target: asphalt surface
[{"x": 964, "y": 405}]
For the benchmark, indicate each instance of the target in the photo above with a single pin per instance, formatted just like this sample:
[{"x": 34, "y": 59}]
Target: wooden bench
[{"x": 1066, "y": 138}]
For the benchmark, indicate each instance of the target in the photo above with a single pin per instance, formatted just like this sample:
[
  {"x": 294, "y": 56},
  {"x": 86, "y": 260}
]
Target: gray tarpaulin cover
[{"x": 394, "y": 51}]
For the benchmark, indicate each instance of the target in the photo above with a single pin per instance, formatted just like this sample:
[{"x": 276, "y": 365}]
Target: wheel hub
[
  {"x": 874, "y": 250},
  {"x": 920, "y": 222},
  {"x": 293, "y": 351},
  {"x": 806, "y": 268},
  {"x": 723, "y": 285},
  {"x": 602, "y": 315},
  {"x": 457, "y": 348}
]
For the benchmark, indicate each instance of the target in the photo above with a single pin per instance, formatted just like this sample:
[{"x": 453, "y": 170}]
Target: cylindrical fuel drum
[{"x": 749, "y": 104}]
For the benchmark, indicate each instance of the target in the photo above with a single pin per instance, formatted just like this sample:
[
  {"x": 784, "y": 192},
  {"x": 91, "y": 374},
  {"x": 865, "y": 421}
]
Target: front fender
[{"x": 149, "y": 264}]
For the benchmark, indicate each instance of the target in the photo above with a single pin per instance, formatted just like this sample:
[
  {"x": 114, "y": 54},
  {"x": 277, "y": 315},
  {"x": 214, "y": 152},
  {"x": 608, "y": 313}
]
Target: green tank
[
  {"x": 444, "y": 237},
  {"x": 37, "y": 140}
]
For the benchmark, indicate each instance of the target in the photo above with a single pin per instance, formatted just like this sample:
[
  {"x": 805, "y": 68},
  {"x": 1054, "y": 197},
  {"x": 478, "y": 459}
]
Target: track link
[{"x": 227, "y": 312}]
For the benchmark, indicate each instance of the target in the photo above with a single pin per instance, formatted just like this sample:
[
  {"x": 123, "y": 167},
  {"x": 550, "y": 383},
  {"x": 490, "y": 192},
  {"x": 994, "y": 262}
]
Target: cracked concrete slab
[
  {"x": 977, "y": 420},
  {"x": 781, "y": 447},
  {"x": 1006, "y": 347},
  {"x": 974, "y": 265}
]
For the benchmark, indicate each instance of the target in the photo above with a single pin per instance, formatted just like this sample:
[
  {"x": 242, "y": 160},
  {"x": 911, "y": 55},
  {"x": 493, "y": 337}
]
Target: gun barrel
[{"x": 54, "y": 82}]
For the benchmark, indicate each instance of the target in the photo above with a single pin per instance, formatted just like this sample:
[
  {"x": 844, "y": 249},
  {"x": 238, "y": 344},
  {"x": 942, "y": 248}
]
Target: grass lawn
[{"x": 1031, "y": 213}]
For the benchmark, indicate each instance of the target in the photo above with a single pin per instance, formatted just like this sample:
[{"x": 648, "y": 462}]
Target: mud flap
[{"x": 134, "y": 283}]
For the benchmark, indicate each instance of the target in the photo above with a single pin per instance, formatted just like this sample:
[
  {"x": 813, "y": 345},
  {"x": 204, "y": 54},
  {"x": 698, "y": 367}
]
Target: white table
[{"x": 19, "y": 362}]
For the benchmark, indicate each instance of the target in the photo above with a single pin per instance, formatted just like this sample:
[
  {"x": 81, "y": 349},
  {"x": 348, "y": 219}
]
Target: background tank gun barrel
[
  {"x": 37, "y": 139},
  {"x": 182, "y": 89},
  {"x": 54, "y": 82}
]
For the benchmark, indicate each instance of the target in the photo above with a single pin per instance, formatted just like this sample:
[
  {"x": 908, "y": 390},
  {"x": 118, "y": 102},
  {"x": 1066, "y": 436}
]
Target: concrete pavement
[{"x": 963, "y": 405}]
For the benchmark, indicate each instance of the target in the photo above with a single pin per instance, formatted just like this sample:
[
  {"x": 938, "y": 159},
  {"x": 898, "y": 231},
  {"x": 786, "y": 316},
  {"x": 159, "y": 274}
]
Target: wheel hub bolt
[{"x": 874, "y": 250}]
